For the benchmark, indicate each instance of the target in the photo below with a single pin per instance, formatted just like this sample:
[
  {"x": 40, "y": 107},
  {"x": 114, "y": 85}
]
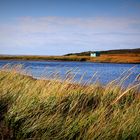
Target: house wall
[{"x": 94, "y": 54}]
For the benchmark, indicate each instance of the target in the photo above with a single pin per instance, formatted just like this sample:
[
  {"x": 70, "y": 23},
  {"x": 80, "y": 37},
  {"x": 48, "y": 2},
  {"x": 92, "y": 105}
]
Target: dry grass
[
  {"x": 104, "y": 58},
  {"x": 56, "y": 110},
  {"x": 54, "y": 58},
  {"x": 117, "y": 58}
]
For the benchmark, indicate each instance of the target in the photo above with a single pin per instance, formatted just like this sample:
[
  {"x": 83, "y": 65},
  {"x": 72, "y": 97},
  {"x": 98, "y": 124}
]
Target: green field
[{"x": 56, "y": 110}]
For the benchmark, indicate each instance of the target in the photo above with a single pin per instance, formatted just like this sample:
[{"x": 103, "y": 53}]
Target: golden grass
[
  {"x": 117, "y": 58},
  {"x": 56, "y": 110},
  {"x": 104, "y": 58}
]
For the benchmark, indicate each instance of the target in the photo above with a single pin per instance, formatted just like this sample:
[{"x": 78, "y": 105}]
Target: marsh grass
[
  {"x": 104, "y": 58},
  {"x": 60, "y": 110}
]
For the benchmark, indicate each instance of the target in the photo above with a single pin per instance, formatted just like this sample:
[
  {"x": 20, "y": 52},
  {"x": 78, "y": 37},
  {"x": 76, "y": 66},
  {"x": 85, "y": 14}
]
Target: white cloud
[{"x": 45, "y": 34}]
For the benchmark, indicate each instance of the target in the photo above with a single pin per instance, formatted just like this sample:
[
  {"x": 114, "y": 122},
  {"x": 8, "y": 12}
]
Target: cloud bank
[{"x": 60, "y": 35}]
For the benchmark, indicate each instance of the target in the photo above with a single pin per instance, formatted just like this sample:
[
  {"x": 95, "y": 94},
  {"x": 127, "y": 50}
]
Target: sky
[{"x": 58, "y": 27}]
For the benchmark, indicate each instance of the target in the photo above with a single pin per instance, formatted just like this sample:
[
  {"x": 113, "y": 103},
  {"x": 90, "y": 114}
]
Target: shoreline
[
  {"x": 129, "y": 58},
  {"x": 43, "y": 60}
]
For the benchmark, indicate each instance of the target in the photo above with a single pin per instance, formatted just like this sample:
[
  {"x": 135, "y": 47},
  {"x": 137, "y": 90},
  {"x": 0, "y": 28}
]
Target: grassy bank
[
  {"x": 104, "y": 58},
  {"x": 51, "y": 58},
  {"x": 118, "y": 58},
  {"x": 55, "y": 110}
]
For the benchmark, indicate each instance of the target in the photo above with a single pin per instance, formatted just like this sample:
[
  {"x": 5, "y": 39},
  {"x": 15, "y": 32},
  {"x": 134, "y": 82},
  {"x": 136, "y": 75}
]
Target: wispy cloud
[{"x": 59, "y": 35}]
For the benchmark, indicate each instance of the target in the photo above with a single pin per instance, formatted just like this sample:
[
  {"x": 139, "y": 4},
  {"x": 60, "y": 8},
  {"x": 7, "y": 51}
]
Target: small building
[{"x": 95, "y": 54}]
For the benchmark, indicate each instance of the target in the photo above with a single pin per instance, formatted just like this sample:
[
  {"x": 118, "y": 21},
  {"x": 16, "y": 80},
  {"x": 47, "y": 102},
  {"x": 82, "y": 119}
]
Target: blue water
[{"x": 105, "y": 72}]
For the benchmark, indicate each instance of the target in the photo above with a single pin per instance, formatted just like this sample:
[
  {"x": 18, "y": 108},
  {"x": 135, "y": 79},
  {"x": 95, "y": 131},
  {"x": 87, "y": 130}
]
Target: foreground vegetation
[
  {"x": 104, "y": 58},
  {"x": 59, "y": 110}
]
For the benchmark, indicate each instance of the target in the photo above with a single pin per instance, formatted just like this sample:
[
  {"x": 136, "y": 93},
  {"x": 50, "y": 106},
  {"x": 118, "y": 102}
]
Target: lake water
[{"x": 105, "y": 72}]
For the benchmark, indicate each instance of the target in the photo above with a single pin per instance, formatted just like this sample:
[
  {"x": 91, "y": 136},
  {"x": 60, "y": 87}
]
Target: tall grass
[{"x": 59, "y": 110}]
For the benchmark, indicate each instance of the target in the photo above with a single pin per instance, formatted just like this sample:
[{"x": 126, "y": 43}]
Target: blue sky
[{"x": 56, "y": 27}]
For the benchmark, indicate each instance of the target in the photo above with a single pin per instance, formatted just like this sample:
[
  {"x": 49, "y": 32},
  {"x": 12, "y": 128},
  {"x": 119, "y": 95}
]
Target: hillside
[{"x": 121, "y": 51}]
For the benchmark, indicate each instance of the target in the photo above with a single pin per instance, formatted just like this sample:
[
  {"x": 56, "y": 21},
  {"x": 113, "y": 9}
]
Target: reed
[{"x": 60, "y": 110}]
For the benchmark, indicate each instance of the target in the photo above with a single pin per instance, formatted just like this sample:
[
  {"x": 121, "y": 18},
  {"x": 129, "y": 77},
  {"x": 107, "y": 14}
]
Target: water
[{"x": 106, "y": 72}]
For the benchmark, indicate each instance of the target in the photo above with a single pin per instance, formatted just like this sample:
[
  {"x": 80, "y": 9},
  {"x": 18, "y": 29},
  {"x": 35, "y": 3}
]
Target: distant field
[
  {"x": 104, "y": 58},
  {"x": 117, "y": 58}
]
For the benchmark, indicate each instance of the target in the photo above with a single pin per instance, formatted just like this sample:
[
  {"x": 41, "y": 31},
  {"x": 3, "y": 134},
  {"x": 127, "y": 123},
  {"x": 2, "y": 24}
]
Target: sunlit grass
[
  {"x": 106, "y": 58},
  {"x": 60, "y": 110}
]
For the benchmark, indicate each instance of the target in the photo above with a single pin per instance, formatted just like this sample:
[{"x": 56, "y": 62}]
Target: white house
[{"x": 95, "y": 54}]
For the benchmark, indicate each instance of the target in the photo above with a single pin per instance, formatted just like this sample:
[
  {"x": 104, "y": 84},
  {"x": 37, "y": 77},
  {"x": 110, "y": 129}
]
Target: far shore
[{"x": 104, "y": 58}]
